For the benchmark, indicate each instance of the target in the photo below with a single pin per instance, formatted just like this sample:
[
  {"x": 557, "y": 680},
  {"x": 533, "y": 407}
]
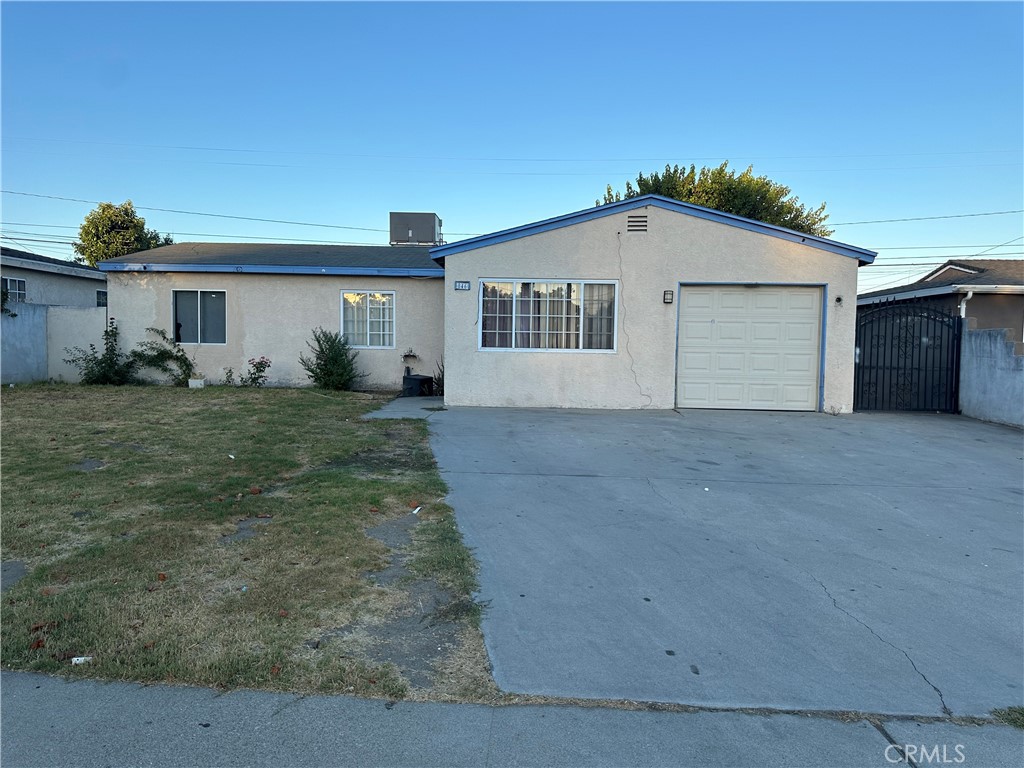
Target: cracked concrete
[{"x": 608, "y": 540}]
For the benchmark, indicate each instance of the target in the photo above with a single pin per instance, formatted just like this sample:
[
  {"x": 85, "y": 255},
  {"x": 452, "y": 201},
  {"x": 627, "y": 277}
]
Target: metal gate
[{"x": 907, "y": 359}]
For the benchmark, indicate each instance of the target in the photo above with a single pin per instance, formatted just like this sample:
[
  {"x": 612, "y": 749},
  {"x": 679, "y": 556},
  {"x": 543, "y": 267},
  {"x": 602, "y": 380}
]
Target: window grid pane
[
  {"x": 15, "y": 288},
  {"x": 545, "y": 315},
  {"x": 368, "y": 319}
]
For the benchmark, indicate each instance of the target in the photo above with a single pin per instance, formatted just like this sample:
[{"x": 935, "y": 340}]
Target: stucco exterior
[
  {"x": 641, "y": 372},
  {"x": 47, "y": 283},
  {"x": 274, "y": 315}
]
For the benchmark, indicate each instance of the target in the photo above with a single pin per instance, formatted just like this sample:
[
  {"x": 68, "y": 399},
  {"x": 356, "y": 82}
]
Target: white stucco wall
[
  {"x": 51, "y": 288},
  {"x": 274, "y": 315},
  {"x": 641, "y": 373}
]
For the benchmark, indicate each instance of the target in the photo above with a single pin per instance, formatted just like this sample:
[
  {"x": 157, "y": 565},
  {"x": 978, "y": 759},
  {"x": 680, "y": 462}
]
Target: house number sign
[{"x": 461, "y": 285}]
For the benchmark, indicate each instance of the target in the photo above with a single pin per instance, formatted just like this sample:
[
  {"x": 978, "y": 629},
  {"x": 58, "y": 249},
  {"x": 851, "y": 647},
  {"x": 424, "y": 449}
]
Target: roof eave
[
  {"x": 272, "y": 269},
  {"x": 939, "y": 291},
  {"x": 862, "y": 255}
]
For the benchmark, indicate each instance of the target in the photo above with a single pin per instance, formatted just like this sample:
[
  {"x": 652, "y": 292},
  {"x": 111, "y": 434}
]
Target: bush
[
  {"x": 111, "y": 367},
  {"x": 165, "y": 355},
  {"x": 256, "y": 376},
  {"x": 333, "y": 364}
]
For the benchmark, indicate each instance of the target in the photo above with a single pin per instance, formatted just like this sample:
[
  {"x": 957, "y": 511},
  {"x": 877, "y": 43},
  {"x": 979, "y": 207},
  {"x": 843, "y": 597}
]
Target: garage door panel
[
  {"x": 752, "y": 347},
  {"x": 731, "y": 331}
]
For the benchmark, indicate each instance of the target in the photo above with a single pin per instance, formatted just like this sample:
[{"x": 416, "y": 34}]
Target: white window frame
[
  {"x": 394, "y": 319},
  {"x": 199, "y": 329},
  {"x": 515, "y": 281},
  {"x": 13, "y": 294},
  {"x": 105, "y": 295}
]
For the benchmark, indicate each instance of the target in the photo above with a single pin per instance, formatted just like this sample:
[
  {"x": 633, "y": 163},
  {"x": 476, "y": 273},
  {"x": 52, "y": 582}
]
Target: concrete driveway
[{"x": 870, "y": 562}]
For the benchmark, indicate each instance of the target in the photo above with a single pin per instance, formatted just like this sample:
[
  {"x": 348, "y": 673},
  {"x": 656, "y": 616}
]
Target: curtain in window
[
  {"x": 496, "y": 316},
  {"x": 368, "y": 319},
  {"x": 598, "y": 316}
]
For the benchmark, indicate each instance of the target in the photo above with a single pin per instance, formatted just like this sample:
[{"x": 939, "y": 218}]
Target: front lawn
[{"x": 219, "y": 537}]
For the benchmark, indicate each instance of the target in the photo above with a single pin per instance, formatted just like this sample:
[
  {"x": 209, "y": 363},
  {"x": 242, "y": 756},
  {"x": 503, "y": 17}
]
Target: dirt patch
[
  {"x": 245, "y": 529},
  {"x": 425, "y": 624},
  {"x": 11, "y": 572}
]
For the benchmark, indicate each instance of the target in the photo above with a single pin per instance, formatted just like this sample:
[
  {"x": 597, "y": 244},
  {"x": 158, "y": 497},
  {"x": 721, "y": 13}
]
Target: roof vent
[
  {"x": 416, "y": 229},
  {"x": 636, "y": 222}
]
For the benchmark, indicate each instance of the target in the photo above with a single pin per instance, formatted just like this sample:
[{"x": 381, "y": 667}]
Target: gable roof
[
  {"x": 281, "y": 259},
  {"x": 958, "y": 276},
  {"x": 13, "y": 257},
  {"x": 862, "y": 255}
]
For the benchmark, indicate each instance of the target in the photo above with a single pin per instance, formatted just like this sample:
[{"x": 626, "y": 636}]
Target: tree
[
  {"x": 753, "y": 197},
  {"x": 115, "y": 230}
]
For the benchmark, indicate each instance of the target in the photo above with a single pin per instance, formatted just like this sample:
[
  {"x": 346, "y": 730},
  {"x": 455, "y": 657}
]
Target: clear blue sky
[{"x": 495, "y": 115}]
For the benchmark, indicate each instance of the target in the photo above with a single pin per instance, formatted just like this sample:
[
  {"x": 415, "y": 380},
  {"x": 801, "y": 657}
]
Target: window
[
  {"x": 101, "y": 298},
  {"x": 199, "y": 317},
  {"x": 368, "y": 318},
  {"x": 547, "y": 315},
  {"x": 15, "y": 289}
]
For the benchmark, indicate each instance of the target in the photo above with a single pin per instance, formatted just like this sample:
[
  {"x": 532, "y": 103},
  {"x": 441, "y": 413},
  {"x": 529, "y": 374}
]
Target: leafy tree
[
  {"x": 4, "y": 309},
  {"x": 115, "y": 230},
  {"x": 754, "y": 197}
]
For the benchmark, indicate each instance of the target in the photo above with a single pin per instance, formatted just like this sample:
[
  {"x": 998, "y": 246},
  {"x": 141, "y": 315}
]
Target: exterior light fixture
[{"x": 666, "y": 297}]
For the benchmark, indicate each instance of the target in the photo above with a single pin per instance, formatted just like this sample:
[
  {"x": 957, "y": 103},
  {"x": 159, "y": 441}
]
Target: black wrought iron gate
[{"x": 907, "y": 359}]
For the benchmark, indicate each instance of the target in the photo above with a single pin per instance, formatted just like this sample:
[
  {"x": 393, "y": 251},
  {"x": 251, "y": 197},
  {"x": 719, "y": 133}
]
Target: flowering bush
[{"x": 256, "y": 376}]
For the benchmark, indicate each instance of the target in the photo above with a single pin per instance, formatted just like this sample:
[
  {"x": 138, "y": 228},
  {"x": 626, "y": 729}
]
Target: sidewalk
[{"x": 49, "y": 722}]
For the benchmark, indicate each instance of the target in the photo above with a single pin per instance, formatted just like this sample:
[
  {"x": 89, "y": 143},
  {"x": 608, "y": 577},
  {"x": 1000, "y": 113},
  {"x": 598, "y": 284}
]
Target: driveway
[{"x": 870, "y": 562}]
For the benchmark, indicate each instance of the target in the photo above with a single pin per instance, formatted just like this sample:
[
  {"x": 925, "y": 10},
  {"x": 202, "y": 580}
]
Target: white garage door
[{"x": 748, "y": 347}]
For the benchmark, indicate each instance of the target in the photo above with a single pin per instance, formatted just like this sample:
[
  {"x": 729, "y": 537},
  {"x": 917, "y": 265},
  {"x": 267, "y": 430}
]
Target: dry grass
[{"x": 127, "y": 563}]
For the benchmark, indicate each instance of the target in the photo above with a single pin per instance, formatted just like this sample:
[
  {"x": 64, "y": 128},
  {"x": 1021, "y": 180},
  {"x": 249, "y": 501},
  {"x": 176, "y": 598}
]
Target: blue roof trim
[
  {"x": 272, "y": 269},
  {"x": 863, "y": 255}
]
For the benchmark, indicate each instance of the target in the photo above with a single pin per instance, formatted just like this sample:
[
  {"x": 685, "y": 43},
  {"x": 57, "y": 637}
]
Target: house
[
  {"x": 229, "y": 302},
  {"x": 650, "y": 303},
  {"x": 644, "y": 303},
  {"x": 34, "y": 279},
  {"x": 989, "y": 290}
]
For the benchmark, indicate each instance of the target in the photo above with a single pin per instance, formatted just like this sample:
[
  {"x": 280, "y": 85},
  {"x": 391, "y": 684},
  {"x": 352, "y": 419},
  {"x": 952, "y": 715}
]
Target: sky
[{"x": 495, "y": 115}]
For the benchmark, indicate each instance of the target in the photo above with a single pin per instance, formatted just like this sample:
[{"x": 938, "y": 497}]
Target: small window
[
  {"x": 15, "y": 289},
  {"x": 368, "y": 318},
  {"x": 534, "y": 314},
  {"x": 101, "y": 298},
  {"x": 199, "y": 317}
]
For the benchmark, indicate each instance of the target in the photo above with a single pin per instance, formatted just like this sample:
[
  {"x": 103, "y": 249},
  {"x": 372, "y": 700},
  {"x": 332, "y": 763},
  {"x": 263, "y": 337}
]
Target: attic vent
[{"x": 636, "y": 223}]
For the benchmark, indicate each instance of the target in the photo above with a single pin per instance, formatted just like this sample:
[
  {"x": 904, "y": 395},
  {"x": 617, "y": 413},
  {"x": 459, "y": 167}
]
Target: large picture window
[
  {"x": 368, "y": 318},
  {"x": 535, "y": 314},
  {"x": 199, "y": 317}
]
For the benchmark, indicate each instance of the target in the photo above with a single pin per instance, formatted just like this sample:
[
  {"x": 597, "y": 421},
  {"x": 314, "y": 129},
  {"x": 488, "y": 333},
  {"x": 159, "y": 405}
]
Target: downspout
[{"x": 963, "y": 303}]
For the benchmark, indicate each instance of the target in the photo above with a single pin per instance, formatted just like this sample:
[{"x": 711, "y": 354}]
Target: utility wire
[
  {"x": 216, "y": 215},
  {"x": 922, "y": 218}
]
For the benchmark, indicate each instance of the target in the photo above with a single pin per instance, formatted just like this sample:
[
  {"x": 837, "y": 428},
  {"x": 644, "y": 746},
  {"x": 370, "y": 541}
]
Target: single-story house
[
  {"x": 989, "y": 290},
  {"x": 229, "y": 302},
  {"x": 644, "y": 303},
  {"x": 34, "y": 279},
  {"x": 650, "y": 303}
]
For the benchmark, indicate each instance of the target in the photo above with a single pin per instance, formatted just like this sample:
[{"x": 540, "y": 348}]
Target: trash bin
[{"x": 414, "y": 385}]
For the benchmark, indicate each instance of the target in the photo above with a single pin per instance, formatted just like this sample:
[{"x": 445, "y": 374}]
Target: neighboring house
[
  {"x": 229, "y": 302},
  {"x": 644, "y": 303},
  {"x": 35, "y": 279},
  {"x": 989, "y": 290},
  {"x": 650, "y": 303}
]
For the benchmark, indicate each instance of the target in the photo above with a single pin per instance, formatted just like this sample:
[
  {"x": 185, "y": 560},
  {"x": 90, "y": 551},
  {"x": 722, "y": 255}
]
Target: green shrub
[
  {"x": 333, "y": 364},
  {"x": 165, "y": 355},
  {"x": 111, "y": 367}
]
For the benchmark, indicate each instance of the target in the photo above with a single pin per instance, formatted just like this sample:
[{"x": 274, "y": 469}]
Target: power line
[
  {"x": 922, "y": 218},
  {"x": 1000, "y": 246},
  {"x": 216, "y": 215}
]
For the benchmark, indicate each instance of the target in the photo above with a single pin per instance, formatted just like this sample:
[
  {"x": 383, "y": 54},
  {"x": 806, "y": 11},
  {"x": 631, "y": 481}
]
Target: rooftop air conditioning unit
[{"x": 415, "y": 229}]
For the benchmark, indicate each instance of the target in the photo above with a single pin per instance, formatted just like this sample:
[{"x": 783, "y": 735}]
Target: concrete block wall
[
  {"x": 32, "y": 345},
  {"x": 992, "y": 375}
]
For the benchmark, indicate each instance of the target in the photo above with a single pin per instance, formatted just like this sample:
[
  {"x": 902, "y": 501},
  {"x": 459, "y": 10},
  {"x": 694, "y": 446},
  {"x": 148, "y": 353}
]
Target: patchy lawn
[{"x": 261, "y": 538}]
